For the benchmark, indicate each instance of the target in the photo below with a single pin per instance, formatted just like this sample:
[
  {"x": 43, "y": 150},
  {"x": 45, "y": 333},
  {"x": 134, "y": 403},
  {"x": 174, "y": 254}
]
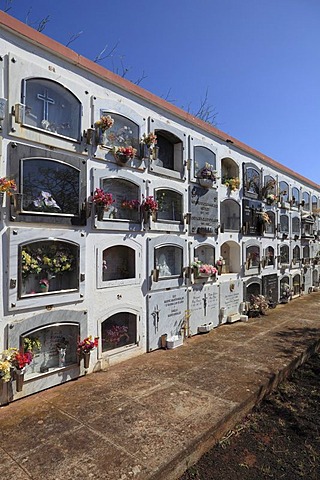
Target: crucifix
[
  {"x": 205, "y": 304},
  {"x": 155, "y": 315},
  {"x": 46, "y": 101}
]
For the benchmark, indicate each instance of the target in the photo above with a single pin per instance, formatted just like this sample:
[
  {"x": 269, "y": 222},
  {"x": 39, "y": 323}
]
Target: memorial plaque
[
  {"x": 167, "y": 313},
  {"x": 230, "y": 298},
  {"x": 204, "y": 210},
  {"x": 203, "y": 306},
  {"x": 307, "y": 279},
  {"x": 270, "y": 288},
  {"x": 251, "y": 220}
]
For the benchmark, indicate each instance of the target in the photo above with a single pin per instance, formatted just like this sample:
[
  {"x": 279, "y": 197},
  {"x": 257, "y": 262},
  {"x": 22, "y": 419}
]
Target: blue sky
[{"x": 259, "y": 60}]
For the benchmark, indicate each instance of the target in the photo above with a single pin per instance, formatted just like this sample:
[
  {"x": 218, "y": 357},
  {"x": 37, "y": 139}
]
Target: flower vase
[
  {"x": 2, "y": 199},
  {"x": 100, "y": 212},
  {"x": 146, "y": 217},
  {"x": 121, "y": 158},
  {"x": 219, "y": 268},
  {"x": 44, "y": 288},
  {"x": 19, "y": 375},
  {"x": 206, "y": 182},
  {"x": 101, "y": 137},
  {"x": 86, "y": 360},
  {"x": 62, "y": 357}
]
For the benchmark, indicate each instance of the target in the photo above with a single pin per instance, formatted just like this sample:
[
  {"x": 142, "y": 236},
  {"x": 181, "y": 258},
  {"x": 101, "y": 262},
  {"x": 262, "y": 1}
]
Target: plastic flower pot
[
  {"x": 205, "y": 182},
  {"x": 86, "y": 359},
  {"x": 19, "y": 376}
]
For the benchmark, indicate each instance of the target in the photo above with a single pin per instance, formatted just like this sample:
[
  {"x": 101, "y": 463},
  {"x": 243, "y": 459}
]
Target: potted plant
[
  {"x": 101, "y": 126},
  {"x": 207, "y": 176},
  {"x": 123, "y": 154},
  {"x": 84, "y": 348},
  {"x": 102, "y": 202}
]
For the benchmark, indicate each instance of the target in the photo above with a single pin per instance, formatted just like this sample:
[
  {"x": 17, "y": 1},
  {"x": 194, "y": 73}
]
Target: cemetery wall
[{"x": 194, "y": 226}]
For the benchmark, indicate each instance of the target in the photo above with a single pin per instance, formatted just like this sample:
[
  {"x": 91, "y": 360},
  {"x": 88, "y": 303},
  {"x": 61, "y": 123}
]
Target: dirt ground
[{"x": 280, "y": 439}]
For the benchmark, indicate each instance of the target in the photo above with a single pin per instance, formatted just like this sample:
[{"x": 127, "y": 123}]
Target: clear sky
[{"x": 259, "y": 60}]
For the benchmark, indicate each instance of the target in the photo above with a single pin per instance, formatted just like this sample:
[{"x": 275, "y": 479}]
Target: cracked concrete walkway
[{"x": 153, "y": 416}]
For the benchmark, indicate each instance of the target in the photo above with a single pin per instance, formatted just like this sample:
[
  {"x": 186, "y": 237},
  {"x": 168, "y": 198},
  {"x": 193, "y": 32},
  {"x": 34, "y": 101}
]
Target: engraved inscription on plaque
[{"x": 204, "y": 210}]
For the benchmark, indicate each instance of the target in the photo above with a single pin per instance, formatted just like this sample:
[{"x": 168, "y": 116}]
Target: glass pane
[
  {"x": 118, "y": 331},
  {"x": 53, "y": 339},
  {"x": 314, "y": 203},
  {"x": 49, "y": 186},
  {"x": 51, "y": 107},
  {"x": 284, "y": 254},
  {"x": 295, "y": 196},
  {"x": 296, "y": 252},
  {"x": 203, "y": 156},
  {"x": 253, "y": 256},
  {"x": 126, "y": 204},
  {"x": 123, "y": 133},
  {"x": 296, "y": 225},
  {"x": 205, "y": 254},
  {"x": 252, "y": 180},
  {"x": 284, "y": 223},
  {"x": 269, "y": 256},
  {"x": 118, "y": 263},
  {"x": 166, "y": 151},
  {"x": 168, "y": 260},
  {"x": 306, "y": 199},
  {"x": 169, "y": 205},
  {"x": 48, "y": 266},
  {"x": 284, "y": 192},
  {"x": 230, "y": 215},
  {"x": 270, "y": 227}
]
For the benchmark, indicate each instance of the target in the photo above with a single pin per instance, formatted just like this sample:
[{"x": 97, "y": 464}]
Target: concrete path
[{"x": 153, "y": 416}]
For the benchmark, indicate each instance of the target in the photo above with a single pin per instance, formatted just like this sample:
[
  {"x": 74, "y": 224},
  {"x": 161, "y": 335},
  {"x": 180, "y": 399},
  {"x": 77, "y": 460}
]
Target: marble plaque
[
  {"x": 166, "y": 315},
  {"x": 230, "y": 298},
  {"x": 270, "y": 287},
  {"x": 307, "y": 279},
  {"x": 204, "y": 210},
  {"x": 250, "y": 218},
  {"x": 203, "y": 301}
]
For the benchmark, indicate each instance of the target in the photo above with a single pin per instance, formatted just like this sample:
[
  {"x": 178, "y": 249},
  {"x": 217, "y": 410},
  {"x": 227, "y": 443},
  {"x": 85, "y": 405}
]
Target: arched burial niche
[
  {"x": 203, "y": 157},
  {"x": 118, "y": 263},
  {"x": 119, "y": 331},
  {"x": 48, "y": 266},
  {"x": 285, "y": 290},
  {"x": 296, "y": 284},
  {"x": 170, "y": 150},
  {"x": 170, "y": 205},
  {"x": 126, "y": 199},
  {"x": 123, "y": 133},
  {"x": 205, "y": 253},
  {"x": 229, "y": 171},
  {"x": 252, "y": 288},
  {"x": 230, "y": 252},
  {"x": 230, "y": 215},
  {"x": 51, "y": 107},
  {"x": 315, "y": 278}
]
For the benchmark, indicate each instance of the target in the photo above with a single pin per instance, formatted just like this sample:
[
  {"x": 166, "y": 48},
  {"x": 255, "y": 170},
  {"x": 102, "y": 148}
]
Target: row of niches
[
  {"x": 51, "y": 266},
  {"x": 52, "y": 188},
  {"x": 49, "y": 107}
]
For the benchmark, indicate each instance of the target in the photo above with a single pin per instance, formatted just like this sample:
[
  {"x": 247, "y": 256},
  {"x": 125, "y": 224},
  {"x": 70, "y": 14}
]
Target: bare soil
[{"x": 280, "y": 439}]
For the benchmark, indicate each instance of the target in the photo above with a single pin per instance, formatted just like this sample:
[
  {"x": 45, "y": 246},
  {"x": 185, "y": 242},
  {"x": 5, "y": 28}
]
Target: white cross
[{"x": 46, "y": 101}]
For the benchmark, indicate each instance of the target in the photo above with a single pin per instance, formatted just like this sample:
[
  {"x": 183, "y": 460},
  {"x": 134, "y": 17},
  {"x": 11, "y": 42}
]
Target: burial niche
[{"x": 119, "y": 330}]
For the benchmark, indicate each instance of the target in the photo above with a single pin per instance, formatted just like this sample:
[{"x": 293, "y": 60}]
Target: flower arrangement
[
  {"x": 130, "y": 204},
  {"x": 233, "y": 183},
  {"x": 45, "y": 202},
  {"x": 7, "y": 186},
  {"x": 207, "y": 172},
  {"x": 150, "y": 139},
  {"x": 20, "y": 360},
  {"x": 31, "y": 344},
  {"x": 29, "y": 264},
  {"x": 271, "y": 198},
  {"x": 102, "y": 199},
  {"x": 219, "y": 262},
  {"x": 258, "y": 303},
  {"x": 105, "y": 122},
  {"x": 87, "y": 344},
  {"x": 204, "y": 268},
  {"x": 265, "y": 217},
  {"x": 116, "y": 332},
  {"x": 53, "y": 258},
  {"x": 149, "y": 204},
  {"x": 6, "y": 364},
  {"x": 128, "y": 152}
]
